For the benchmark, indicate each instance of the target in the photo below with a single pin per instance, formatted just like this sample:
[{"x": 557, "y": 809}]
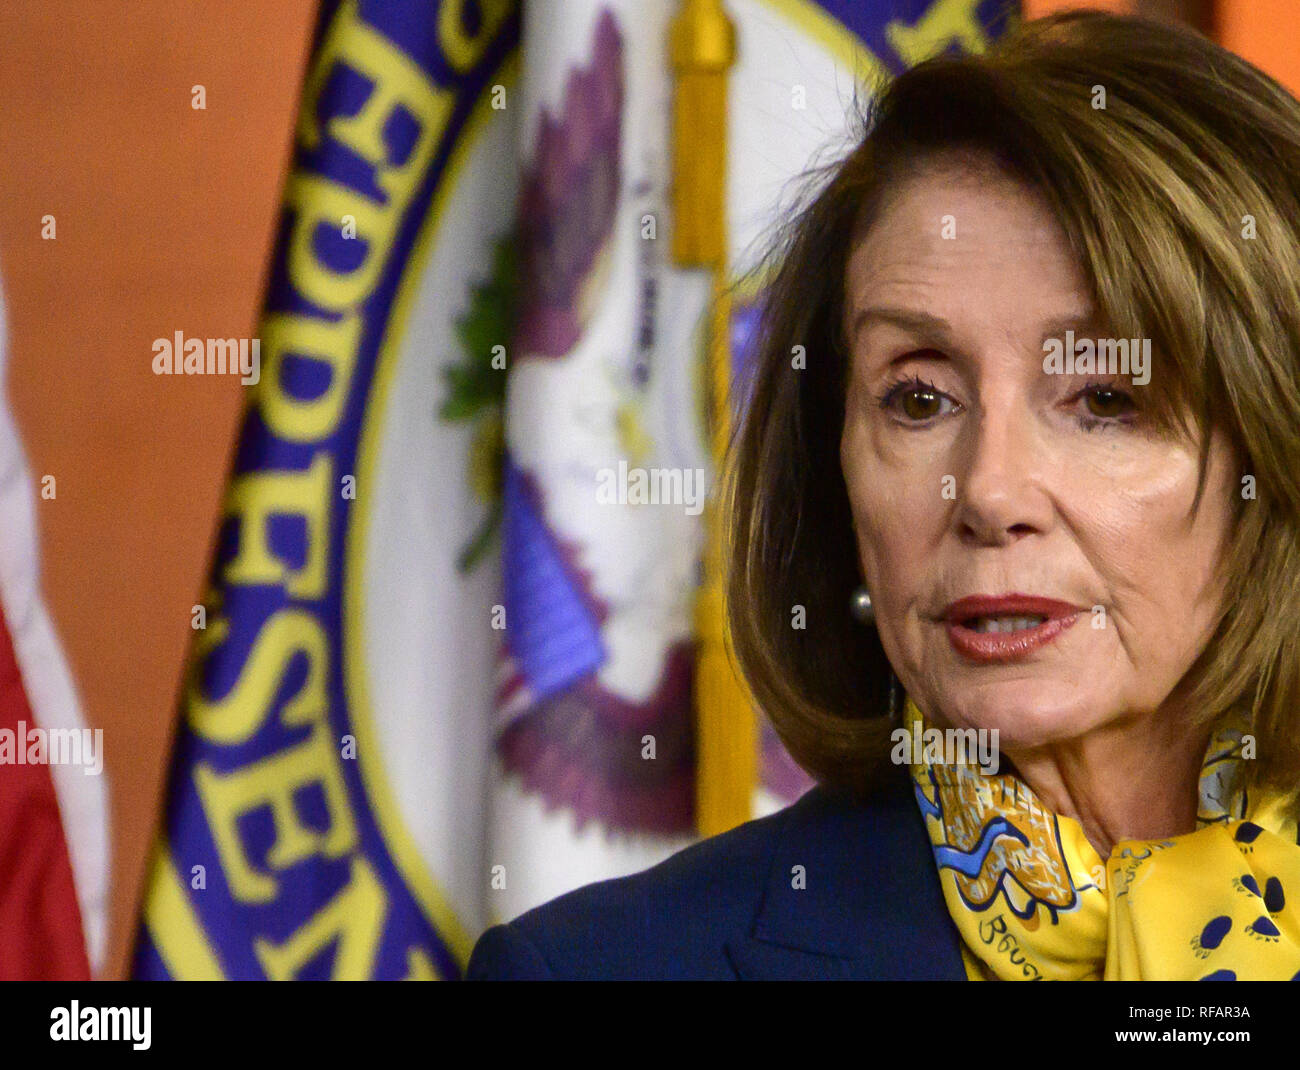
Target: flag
[
  {"x": 54, "y": 854},
  {"x": 326, "y": 807},
  {"x": 445, "y": 668},
  {"x": 607, "y": 417}
]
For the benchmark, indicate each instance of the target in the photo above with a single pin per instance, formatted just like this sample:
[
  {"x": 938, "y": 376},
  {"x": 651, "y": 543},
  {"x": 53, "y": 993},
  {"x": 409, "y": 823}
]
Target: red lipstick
[{"x": 995, "y": 628}]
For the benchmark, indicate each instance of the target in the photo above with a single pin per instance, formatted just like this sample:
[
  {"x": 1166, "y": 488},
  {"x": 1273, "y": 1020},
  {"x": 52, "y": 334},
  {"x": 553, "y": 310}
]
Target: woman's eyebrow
[
  {"x": 938, "y": 329},
  {"x": 923, "y": 323},
  {"x": 1083, "y": 324}
]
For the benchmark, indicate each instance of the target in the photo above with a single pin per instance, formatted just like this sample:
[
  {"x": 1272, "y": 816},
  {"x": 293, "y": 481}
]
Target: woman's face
[{"x": 1027, "y": 538}]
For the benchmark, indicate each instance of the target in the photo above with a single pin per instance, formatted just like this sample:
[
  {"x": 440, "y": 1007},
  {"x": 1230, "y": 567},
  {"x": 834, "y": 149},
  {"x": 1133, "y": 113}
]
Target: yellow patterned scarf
[{"x": 1033, "y": 900}]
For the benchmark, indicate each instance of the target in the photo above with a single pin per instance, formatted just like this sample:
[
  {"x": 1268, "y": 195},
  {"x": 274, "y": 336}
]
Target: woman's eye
[
  {"x": 918, "y": 401},
  {"x": 1108, "y": 403},
  {"x": 921, "y": 404}
]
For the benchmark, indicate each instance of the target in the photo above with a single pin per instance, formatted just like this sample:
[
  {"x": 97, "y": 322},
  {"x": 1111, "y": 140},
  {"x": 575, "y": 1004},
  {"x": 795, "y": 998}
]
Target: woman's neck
[{"x": 1136, "y": 781}]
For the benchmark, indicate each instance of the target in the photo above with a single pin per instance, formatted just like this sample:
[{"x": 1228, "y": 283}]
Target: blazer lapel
[{"x": 852, "y": 894}]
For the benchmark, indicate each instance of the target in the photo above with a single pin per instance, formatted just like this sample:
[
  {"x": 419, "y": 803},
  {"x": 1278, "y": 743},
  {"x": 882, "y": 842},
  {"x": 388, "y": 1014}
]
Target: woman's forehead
[
  {"x": 966, "y": 251},
  {"x": 942, "y": 212}
]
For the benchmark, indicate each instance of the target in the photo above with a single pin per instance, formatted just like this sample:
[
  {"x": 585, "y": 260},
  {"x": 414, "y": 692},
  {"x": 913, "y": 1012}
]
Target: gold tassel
[{"x": 702, "y": 48}]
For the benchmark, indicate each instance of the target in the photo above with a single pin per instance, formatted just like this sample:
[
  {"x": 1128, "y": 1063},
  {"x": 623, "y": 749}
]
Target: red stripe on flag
[{"x": 40, "y": 924}]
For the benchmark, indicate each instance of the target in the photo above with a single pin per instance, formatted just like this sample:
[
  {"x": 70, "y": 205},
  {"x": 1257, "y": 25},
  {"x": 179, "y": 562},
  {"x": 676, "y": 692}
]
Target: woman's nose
[{"x": 1000, "y": 491}]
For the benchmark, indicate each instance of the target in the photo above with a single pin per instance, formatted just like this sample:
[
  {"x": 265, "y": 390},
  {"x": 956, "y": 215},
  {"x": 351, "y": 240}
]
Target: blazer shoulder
[
  {"x": 665, "y": 921},
  {"x": 669, "y": 921}
]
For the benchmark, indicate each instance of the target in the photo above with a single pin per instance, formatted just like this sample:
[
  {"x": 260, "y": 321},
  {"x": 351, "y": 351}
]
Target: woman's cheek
[
  {"x": 1139, "y": 498},
  {"x": 897, "y": 530}
]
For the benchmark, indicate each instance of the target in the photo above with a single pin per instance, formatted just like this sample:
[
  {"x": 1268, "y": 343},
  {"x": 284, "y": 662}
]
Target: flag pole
[{"x": 702, "y": 48}]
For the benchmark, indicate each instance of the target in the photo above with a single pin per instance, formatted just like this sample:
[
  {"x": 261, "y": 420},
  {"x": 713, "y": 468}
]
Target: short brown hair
[{"x": 1155, "y": 192}]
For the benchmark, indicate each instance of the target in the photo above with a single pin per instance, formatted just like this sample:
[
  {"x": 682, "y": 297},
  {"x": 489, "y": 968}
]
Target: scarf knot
[{"x": 1033, "y": 900}]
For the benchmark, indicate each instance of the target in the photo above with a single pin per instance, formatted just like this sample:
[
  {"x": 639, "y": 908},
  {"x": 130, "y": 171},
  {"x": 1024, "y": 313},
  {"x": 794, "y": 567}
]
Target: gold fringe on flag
[{"x": 702, "y": 47}]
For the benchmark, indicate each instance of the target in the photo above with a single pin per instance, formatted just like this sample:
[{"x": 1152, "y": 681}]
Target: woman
[{"x": 1047, "y": 446}]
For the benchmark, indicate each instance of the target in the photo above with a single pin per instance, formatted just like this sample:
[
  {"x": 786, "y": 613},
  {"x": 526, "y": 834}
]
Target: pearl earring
[{"x": 861, "y": 606}]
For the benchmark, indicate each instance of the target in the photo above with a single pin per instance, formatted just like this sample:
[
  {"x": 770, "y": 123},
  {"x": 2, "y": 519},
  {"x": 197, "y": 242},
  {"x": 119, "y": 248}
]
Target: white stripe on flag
[{"x": 83, "y": 803}]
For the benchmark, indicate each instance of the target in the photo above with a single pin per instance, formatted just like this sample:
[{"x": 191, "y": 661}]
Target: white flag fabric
[{"x": 35, "y": 841}]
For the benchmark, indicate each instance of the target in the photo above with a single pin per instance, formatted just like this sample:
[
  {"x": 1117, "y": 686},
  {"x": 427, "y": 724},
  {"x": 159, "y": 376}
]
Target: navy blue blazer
[{"x": 728, "y": 908}]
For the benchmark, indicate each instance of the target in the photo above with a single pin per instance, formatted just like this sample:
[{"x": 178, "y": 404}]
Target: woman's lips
[{"x": 961, "y": 617}]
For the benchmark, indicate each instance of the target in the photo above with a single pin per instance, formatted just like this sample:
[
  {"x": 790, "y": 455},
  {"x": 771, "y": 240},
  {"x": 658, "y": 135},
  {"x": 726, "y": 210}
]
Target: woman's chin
[{"x": 1025, "y": 713}]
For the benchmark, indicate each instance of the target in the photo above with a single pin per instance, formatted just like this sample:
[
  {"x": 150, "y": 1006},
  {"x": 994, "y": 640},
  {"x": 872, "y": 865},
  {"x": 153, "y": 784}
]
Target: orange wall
[
  {"x": 164, "y": 217},
  {"x": 1266, "y": 32},
  {"x": 1036, "y": 9}
]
